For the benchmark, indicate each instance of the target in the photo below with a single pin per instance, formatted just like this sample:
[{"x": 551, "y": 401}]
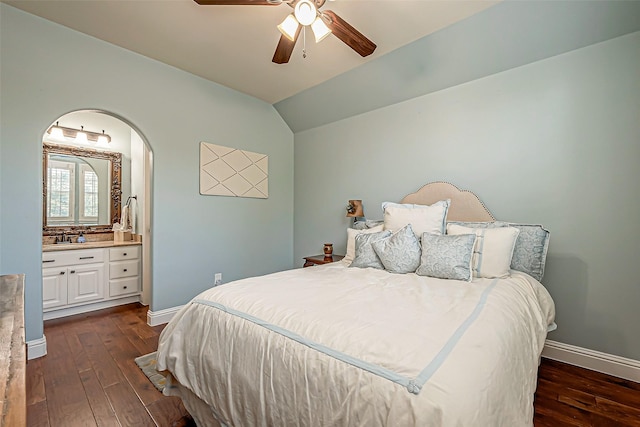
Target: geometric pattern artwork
[{"x": 226, "y": 171}]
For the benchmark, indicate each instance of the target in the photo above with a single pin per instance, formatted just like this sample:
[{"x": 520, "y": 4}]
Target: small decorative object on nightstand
[
  {"x": 328, "y": 249},
  {"x": 321, "y": 259}
]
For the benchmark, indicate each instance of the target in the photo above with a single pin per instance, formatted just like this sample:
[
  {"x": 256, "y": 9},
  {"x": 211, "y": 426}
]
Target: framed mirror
[{"x": 81, "y": 189}]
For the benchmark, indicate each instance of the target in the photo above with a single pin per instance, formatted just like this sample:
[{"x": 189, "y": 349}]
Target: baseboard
[
  {"x": 37, "y": 348},
  {"x": 620, "y": 367},
  {"x": 160, "y": 317},
  {"x": 86, "y": 308}
]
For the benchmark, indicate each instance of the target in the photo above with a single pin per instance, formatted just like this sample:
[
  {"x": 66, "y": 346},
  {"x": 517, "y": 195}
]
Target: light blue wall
[
  {"x": 48, "y": 70},
  {"x": 555, "y": 142},
  {"x": 510, "y": 34}
]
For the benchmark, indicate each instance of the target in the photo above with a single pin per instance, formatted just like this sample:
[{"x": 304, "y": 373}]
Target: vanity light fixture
[
  {"x": 103, "y": 138},
  {"x": 56, "y": 132},
  {"x": 80, "y": 135}
]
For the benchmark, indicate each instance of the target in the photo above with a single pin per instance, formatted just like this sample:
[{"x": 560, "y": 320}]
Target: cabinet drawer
[
  {"x": 123, "y": 286},
  {"x": 124, "y": 253},
  {"x": 121, "y": 269},
  {"x": 72, "y": 257}
]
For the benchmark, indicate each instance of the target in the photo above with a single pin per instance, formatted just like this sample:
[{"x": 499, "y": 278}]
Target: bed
[{"x": 352, "y": 344}]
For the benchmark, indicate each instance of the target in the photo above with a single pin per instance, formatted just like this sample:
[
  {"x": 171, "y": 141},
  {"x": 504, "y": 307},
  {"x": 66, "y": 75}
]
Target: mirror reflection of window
[
  {"x": 73, "y": 195},
  {"x": 89, "y": 197},
  {"x": 60, "y": 203}
]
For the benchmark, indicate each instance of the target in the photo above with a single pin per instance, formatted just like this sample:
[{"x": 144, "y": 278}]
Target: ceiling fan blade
[
  {"x": 349, "y": 35},
  {"x": 285, "y": 48},
  {"x": 238, "y": 2}
]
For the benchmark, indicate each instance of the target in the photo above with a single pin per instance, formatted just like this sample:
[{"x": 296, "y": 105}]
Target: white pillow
[
  {"x": 351, "y": 241},
  {"x": 423, "y": 218},
  {"x": 493, "y": 249}
]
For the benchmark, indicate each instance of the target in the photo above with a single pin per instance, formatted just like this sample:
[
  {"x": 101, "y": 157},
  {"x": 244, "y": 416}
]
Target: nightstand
[{"x": 321, "y": 259}]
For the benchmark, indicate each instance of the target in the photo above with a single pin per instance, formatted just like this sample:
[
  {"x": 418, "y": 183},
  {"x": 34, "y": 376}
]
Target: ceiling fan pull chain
[{"x": 304, "y": 42}]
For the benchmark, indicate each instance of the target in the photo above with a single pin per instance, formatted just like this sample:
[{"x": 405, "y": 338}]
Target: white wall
[
  {"x": 193, "y": 236},
  {"x": 553, "y": 142}
]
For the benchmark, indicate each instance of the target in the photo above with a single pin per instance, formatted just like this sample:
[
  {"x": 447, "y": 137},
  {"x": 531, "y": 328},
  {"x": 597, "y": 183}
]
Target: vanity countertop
[{"x": 87, "y": 245}]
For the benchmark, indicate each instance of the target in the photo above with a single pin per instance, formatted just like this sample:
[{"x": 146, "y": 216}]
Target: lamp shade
[
  {"x": 354, "y": 209},
  {"x": 289, "y": 27},
  {"x": 56, "y": 132},
  {"x": 320, "y": 29},
  {"x": 81, "y": 136}
]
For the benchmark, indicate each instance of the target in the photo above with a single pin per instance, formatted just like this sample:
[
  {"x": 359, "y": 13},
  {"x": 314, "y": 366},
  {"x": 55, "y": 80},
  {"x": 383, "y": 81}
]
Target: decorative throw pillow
[
  {"x": 351, "y": 241},
  {"x": 493, "y": 249},
  {"x": 400, "y": 252},
  {"x": 423, "y": 218},
  {"x": 365, "y": 255},
  {"x": 447, "y": 256},
  {"x": 530, "y": 251}
]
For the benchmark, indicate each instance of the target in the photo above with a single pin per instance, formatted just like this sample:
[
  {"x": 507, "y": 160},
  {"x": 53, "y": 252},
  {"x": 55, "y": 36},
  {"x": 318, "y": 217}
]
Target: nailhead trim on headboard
[{"x": 465, "y": 205}]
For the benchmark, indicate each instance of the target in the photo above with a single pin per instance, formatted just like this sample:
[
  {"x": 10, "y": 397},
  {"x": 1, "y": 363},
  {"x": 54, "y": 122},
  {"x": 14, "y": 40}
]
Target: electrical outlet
[{"x": 217, "y": 279}]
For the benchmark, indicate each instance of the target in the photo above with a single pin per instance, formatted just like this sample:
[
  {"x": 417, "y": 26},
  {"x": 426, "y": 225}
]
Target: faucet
[{"x": 62, "y": 239}]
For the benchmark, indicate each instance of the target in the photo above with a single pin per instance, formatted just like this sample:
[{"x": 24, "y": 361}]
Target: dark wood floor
[
  {"x": 572, "y": 396},
  {"x": 89, "y": 378}
]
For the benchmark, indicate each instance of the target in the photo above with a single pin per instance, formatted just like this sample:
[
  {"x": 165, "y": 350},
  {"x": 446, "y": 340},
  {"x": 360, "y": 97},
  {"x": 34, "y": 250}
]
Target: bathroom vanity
[{"x": 81, "y": 277}]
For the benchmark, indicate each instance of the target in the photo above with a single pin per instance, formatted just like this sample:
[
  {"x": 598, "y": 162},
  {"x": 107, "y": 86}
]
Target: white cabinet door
[
  {"x": 86, "y": 283},
  {"x": 54, "y": 287}
]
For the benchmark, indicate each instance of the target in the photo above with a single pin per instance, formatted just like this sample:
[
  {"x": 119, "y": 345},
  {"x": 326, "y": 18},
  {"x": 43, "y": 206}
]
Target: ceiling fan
[{"x": 306, "y": 13}]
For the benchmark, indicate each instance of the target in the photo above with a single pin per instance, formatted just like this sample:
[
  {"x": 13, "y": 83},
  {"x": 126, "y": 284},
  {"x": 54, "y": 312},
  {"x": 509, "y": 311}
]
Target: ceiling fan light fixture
[
  {"x": 305, "y": 12},
  {"x": 320, "y": 29},
  {"x": 289, "y": 27}
]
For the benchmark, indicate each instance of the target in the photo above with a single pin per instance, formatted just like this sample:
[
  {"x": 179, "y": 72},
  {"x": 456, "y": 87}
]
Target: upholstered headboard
[{"x": 465, "y": 205}]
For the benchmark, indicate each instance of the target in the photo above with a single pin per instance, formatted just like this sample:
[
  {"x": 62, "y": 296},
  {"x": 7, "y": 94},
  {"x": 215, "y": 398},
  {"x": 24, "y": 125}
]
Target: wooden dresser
[{"x": 13, "y": 410}]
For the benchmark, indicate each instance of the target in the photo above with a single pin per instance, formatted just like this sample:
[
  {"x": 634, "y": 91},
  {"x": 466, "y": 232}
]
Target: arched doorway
[{"x": 72, "y": 201}]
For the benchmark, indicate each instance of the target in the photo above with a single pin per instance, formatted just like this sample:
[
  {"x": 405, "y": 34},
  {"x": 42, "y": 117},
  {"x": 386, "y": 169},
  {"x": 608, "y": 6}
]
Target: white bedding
[{"x": 337, "y": 346}]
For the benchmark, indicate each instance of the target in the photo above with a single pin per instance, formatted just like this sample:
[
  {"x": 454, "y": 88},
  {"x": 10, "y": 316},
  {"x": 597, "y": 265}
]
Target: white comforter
[{"x": 338, "y": 346}]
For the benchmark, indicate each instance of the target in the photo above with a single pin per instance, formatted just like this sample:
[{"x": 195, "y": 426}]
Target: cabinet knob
[
  {"x": 124, "y": 254},
  {"x": 124, "y": 287},
  {"x": 125, "y": 269},
  {"x": 72, "y": 271},
  {"x": 62, "y": 272}
]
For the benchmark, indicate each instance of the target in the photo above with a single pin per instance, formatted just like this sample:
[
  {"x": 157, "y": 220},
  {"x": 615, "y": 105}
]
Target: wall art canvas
[{"x": 226, "y": 171}]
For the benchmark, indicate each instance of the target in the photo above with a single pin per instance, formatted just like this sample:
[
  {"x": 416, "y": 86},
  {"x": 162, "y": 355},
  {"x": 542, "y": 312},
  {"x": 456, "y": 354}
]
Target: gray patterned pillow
[
  {"x": 365, "y": 255},
  {"x": 447, "y": 256},
  {"x": 400, "y": 252},
  {"x": 530, "y": 251}
]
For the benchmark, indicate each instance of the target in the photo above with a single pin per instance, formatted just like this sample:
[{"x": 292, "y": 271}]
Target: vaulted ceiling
[{"x": 233, "y": 45}]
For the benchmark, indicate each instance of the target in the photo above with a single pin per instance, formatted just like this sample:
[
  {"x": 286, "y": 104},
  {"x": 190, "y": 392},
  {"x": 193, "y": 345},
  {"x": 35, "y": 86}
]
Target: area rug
[{"x": 147, "y": 364}]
